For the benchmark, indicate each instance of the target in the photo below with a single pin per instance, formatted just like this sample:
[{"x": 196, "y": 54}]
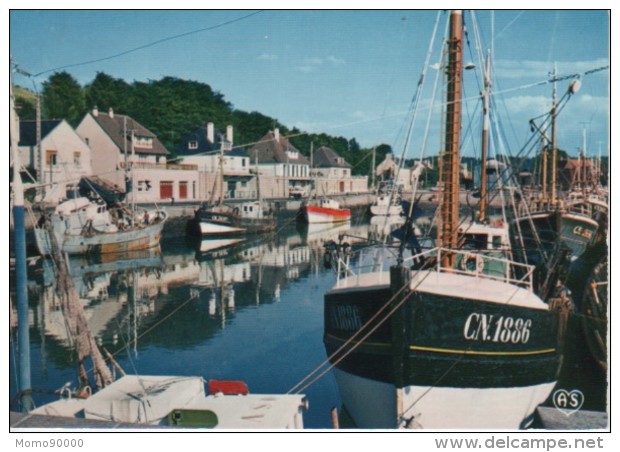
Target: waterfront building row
[{"x": 127, "y": 155}]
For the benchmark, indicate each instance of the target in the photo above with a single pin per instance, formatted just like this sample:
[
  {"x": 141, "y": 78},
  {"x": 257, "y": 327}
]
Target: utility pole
[
  {"x": 133, "y": 160},
  {"x": 23, "y": 333}
]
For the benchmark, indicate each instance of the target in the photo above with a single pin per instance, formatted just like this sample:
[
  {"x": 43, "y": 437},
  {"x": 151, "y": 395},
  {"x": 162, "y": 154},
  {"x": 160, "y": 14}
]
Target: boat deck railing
[{"x": 471, "y": 263}]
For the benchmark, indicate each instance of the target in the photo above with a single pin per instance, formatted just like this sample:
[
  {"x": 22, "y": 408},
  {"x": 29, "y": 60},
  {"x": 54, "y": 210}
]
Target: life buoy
[{"x": 84, "y": 393}]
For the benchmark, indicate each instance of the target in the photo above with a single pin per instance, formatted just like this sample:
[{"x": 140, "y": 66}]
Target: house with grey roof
[
  {"x": 124, "y": 150},
  {"x": 214, "y": 155},
  {"x": 332, "y": 174},
  {"x": 283, "y": 169},
  {"x": 62, "y": 160}
]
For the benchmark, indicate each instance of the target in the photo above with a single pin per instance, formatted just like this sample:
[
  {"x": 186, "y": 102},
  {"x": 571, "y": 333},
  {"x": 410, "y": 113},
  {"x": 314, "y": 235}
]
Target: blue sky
[{"x": 349, "y": 73}]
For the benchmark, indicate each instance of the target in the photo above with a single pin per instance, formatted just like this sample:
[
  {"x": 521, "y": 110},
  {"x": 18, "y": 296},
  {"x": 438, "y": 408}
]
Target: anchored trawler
[{"x": 449, "y": 337}]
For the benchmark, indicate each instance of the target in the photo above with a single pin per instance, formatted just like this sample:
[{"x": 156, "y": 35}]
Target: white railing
[{"x": 432, "y": 259}]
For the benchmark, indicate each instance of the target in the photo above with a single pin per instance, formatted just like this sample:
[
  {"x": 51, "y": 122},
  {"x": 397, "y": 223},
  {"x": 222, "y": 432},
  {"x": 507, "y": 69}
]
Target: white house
[
  {"x": 213, "y": 154},
  {"x": 283, "y": 169},
  {"x": 63, "y": 160},
  {"x": 403, "y": 176},
  {"x": 120, "y": 144},
  {"x": 332, "y": 174}
]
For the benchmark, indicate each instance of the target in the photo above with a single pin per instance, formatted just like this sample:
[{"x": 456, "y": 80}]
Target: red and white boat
[{"x": 325, "y": 211}]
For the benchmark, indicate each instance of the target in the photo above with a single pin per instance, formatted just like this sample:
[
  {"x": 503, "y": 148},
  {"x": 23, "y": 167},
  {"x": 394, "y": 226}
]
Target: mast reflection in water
[{"x": 250, "y": 310}]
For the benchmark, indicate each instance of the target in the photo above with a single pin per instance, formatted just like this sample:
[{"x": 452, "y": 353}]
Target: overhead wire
[{"x": 151, "y": 44}]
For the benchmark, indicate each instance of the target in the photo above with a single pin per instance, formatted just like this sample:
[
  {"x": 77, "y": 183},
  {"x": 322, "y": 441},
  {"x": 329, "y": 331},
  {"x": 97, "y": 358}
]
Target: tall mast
[
  {"x": 449, "y": 160},
  {"x": 221, "y": 178},
  {"x": 544, "y": 170},
  {"x": 485, "y": 139},
  {"x": 554, "y": 145},
  {"x": 373, "y": 167}
]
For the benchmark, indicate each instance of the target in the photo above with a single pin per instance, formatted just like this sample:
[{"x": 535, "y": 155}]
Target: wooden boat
[
  {"x": 221, "y": 219},
  {"x": 84, "y": 226},
  {"x": 233, "y": 219},
  {"x": 324, "y": 210},
  {"x": 450, "y": 337},
  {"x": 545, "y": 212}
]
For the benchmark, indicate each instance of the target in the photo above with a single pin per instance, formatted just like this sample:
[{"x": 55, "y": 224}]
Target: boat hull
[
  {"x": 575, "y": 231},
  {"x": 316, "y": 214},
  {"x": 373, "y": 404},
  {"x": 392, "y": 210},
  {"x": 101, "y": 243},
  {"x": 212, "y": 223},
  {"x": 462, "y": 347}
]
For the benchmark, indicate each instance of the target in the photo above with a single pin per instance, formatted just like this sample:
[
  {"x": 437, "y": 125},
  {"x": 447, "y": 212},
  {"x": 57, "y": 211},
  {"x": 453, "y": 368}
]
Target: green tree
[
  {"x": 63, "y": 98},
  {"x": 107, "y": 92}
]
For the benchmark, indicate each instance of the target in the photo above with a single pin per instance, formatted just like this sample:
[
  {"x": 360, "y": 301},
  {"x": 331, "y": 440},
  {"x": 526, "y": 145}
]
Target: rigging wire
[{"x": 151, "y": 44}]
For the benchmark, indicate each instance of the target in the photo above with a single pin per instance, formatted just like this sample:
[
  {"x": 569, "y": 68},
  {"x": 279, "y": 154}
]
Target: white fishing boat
[
  {"x": 180, "y": 402},
  {"x": 452, "y": 337},
  {"x": 233, "y": 219},
  {"x": 324, "y": 210},
  {"x": 84, "y": 226},
  {"x": 387, "y": 204}
]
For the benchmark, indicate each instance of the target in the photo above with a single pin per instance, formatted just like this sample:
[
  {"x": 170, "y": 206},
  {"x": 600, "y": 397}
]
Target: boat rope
[{"x": 302, "y": 385}]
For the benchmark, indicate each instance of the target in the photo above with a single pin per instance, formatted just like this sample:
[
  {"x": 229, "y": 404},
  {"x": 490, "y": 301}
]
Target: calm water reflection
[{"x": 250, "y": 310}]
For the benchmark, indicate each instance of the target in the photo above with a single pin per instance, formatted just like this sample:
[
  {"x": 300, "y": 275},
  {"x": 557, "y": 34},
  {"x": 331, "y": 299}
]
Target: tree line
[{"x": 171, "y": 108}]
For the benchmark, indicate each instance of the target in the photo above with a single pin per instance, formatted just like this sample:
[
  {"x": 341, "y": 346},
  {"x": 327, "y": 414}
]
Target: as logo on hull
[{"x": 568, "y": 402}]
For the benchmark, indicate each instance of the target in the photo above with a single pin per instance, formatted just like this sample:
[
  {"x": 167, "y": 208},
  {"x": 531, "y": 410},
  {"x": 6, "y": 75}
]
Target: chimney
[
  {"x": 95, "y": 111},
  {"x": 210, "y": 133},
  {"x": 229, "y": 134},
  {"x": 111, "y": 112},
  {"x": 276, "y": 134}
]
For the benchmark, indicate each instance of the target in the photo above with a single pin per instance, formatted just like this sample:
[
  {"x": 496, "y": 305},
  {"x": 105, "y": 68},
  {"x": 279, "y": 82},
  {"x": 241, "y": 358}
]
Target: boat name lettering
[
  {"x": 489, "y": 328},
  {"x": 345, "y": 317},
  {"x": 583, "y": 232}
]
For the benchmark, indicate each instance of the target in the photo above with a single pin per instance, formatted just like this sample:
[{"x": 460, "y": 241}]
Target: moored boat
[
  {"x": 83, "y": 226},
  {"x": 386, "y": 204},
  {"x": 180, "y": 402},
  {"x": 324, "y": 211},
  {"x": 455, "y": 336},
  {"x": 233, "y": 219}
]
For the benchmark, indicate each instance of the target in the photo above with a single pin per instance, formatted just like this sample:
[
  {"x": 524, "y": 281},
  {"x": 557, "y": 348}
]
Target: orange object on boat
[{"x": 228, "y": 387}]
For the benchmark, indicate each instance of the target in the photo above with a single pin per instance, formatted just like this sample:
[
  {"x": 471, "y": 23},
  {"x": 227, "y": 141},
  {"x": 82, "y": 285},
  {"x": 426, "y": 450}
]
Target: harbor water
[{"x": 248, "y": 310}]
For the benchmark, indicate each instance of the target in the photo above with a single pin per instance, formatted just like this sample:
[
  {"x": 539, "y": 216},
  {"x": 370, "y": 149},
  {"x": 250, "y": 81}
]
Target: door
[
  {"x": 165, "y": 189},
  {"x": 232, "y": 186},
  {"x": 182, "y": 190}
]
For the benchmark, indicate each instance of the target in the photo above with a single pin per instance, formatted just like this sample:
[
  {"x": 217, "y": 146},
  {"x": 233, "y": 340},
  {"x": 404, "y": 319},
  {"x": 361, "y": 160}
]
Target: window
[
  {"x": 144, "y": 185},
  {"x": 87, "y": 141},
  {"x": 51, "y": 158},
  {"x": 475, "y": 242},
  {"x": 243, "y": 162},
  {"x": 192, "y": 145},
  {"x": 76, "y": 159},
  {"x": 143, "y": 142},
  {"x": 244, "y": 184}
]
